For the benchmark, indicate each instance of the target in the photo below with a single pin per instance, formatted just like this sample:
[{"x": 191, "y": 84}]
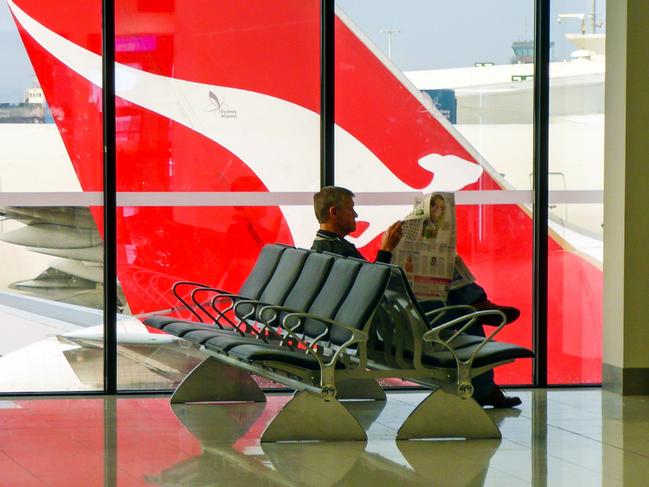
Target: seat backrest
[
  {"x": 361, "y": 301},
  {"x": 401, "y": 312},
  {"x": 331, "y": 295},
  {"x": 283, "y": 279},
  {"x": 262, "y": 271},
  {"x": 411, "y": 296},
  {"x": 312, "y": 278}
]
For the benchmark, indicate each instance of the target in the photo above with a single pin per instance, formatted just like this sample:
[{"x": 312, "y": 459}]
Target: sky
[
  {"x": 433, "y": 34},
  {"x": 436, "y": 34},
  {"x": 17, "y": 72}
]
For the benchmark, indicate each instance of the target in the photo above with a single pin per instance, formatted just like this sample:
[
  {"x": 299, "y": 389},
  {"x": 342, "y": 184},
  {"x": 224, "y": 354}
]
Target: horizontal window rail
[{"x": 304, "y": 198}]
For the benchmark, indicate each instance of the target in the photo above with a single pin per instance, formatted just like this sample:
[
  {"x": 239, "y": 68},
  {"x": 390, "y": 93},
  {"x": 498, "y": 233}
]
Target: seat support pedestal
[
  {"x": 213, "y": 381},
  {"x": 308, "y": 417},
  {"x": 445, "y": 415}
]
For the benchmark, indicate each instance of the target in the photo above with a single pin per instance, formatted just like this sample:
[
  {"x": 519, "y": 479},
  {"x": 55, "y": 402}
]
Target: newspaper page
[
  {"x": 461, "y": 275},
  {"x": 427, "y": 251}
]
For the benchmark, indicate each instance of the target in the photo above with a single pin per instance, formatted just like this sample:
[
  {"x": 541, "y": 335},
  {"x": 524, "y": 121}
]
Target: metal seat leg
[
  {"x": 213, "y": 381},
  {"x": 445, "y": 415},
  {"x": 307, "y": 417}
]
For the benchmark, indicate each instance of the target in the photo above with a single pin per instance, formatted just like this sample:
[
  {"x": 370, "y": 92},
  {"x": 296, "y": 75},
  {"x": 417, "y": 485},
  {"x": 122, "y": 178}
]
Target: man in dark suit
[{"x": 334, "y": 209}]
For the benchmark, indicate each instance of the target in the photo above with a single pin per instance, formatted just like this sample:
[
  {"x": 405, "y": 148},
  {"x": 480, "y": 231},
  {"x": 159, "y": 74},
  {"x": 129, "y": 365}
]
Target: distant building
[
  {"x": 524, "y": 52},
  {"x": 34, "y": 96},
  {"x": 33, "y": 109}
]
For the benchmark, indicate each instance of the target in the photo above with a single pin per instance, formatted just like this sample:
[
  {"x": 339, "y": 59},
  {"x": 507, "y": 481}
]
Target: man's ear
[{"x": 332, "y": 212}]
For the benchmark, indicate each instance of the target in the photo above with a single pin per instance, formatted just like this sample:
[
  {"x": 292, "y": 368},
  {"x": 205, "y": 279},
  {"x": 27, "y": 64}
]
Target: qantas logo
[
  {"x": 219, "y": 107},
  {"x": 262, "y": 133}
]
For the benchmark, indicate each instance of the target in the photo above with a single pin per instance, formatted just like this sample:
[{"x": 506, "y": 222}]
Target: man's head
[{"x": 334, "y": 209}]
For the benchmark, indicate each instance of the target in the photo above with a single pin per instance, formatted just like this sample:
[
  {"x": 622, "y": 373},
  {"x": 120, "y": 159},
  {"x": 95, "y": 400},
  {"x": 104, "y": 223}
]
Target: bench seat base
[
  {"x": 446, "y": 415},
  {"x": 213, "y": 381},
  {"x": 307, "y": 417}
]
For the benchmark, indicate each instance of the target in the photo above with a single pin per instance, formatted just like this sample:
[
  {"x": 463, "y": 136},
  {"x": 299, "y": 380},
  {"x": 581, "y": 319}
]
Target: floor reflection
[
  {"x": 571, "y": 438},
  {"x": 229, "y": 434}
]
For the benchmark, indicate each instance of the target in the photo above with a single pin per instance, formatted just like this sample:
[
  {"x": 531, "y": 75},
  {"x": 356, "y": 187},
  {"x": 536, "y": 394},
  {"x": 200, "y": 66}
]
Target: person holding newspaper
[{"x": 334, "y": 210}]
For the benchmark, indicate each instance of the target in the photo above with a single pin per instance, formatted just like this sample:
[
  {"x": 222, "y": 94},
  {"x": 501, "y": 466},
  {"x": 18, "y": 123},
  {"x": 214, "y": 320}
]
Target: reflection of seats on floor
[
  {"x": 225, "y": 460},
  {"x": 430, "y": 460},
  {"x": 221, "y": 462},
  {"x": 420, "y": 463},
  {"x": 219, "y": 466},
  {"x": 316, "y": 464},
  {"x": 374, "y": 469},
  {"x": 329, "y": 327}
]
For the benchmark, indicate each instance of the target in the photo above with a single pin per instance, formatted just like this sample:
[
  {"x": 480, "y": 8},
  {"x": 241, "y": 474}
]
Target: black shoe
[
  {"x": 511, "y": 313},
  {"x": 498, "y": 399}
]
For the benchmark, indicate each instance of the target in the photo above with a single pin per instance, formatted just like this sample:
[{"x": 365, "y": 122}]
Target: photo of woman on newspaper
[{"x": 432, "y": 225}]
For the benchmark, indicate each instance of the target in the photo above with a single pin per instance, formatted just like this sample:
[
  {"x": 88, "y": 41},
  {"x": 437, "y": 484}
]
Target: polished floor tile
[{"x": 583, "y": 437}]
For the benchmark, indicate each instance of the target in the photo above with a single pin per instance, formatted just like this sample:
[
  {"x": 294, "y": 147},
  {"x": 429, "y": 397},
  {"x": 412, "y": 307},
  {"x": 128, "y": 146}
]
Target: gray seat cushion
[
  {"x": 160, "y": 322},
  {"x": 491, "y": 353},
  {"x": 223, "y": 342},
  {"x": 181, "y": 328}
]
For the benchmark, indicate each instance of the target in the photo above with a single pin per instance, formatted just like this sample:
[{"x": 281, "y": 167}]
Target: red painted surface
[
  {"x": 272, "y": 47},
  {"x": 62, "y": 442}
]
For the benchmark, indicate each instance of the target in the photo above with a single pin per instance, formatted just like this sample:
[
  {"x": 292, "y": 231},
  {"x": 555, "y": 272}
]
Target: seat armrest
[
  {"x": 275, "y": 310},
  {"x": 435, "y": 315},
  {"x": 465, "y": 387},
  {"x": 433, "y": 335},
  {"x": 257, "y": 315},
  {"x": 222, "y": 313},
  {"x": 190, "y": 308},
  {"x": 357, "y": 336},
  {"x": 207, "y": 289}
]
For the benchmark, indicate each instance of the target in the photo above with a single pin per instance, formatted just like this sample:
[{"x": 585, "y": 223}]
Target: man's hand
[{"x": 391, "y": 237}]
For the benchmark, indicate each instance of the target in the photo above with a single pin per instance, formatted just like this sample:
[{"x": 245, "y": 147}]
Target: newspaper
[{"x": 427, "y": 251}]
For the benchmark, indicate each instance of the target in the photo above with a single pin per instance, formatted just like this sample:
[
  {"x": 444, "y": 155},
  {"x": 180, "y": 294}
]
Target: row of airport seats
[{"x": 330, "y": 327}]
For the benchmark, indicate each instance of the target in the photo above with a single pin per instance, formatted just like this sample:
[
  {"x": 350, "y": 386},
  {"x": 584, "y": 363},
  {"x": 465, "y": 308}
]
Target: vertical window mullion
[
  {"x": 327, "y": 83},
  {"x": 540, "y": 168},
  {"x": 110, "y": 220}
]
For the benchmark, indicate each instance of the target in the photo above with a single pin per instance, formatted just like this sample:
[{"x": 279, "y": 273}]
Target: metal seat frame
[{"x": 315, "y": 411}]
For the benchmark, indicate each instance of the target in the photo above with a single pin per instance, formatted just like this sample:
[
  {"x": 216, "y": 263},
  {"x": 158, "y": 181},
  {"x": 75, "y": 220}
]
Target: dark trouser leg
[
  {"x": 483, "y": 385},
  {"x": 469, "y": 294}
]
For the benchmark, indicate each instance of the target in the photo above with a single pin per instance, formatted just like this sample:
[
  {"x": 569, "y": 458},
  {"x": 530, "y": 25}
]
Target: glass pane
[
  {"x": 412, "y": 116},
  {"x": 216, "y": 97},
  {"x": 51, "y": 254},
  {"x": 576, "y": 283},
  {"x": 213, "y": 97},
  {"x": 149, "y": 265},
  {"x": 54, "y": 150},
  {"x": 576, "y": 164},
  {"x": 51, "y": 299}
]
